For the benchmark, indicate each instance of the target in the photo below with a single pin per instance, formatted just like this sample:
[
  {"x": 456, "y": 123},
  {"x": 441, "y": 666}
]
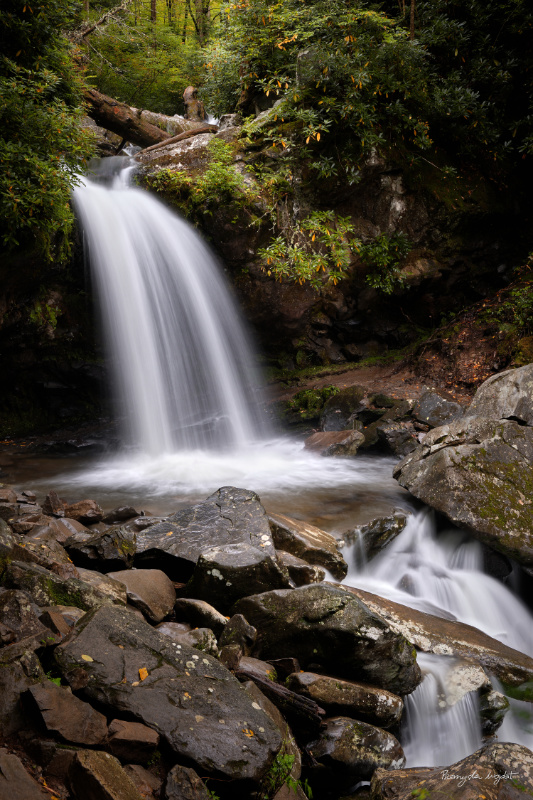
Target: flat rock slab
[
  {"x": 94, "y": 775},
  {"x": 67, "y": 716},
  {"x": 479, "y": 473},
  {"x": 499, "y": 771},
  {"x": 149, "y": 590},
  {"x": 320, "y": 624},
  {"x": 308, "y": 543},
  {"x": 335, "y": 443},
  {"x": 349, "y": 698},
  {"x": 189, "y": 698},
  {"x": 132, "y": 741},
  {"x": 15, "y": 782},
  {"x": 446, "y": 637},
  {"x": 229, "y": 516}
]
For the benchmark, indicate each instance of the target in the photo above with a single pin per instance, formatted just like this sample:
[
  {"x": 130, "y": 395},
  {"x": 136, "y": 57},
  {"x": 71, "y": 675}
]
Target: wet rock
[
  {"x": 397, "y": 437},
  {"x": 373, "y": 536},
  {"x": 53, "y": 505},
  {"x": 200, "y": 638},
  {"x": 105, "y": 552},
  {"x": 60, "y": 530},
  {"x": 300, "y": 572},
  {"x": 200, "y": 614},
  {"x": 15, "y": 782},
  {"x": 229, "y": 516},
  {"x": 239, "y": 631},
  {"x": 183, "y": 783},
  {"x": 508, "y": 395},
  {"x": 499, "y": 771},
  {"x": 447, "y": 637},
  {"x": 63, "y": 714},
  {"x": 20, "y": 616},
  {"x": 193, "y": 702},
  {"x": 339, "y": 408},
  {"x": 308, "y": 543},
  {"x": 321, "y": 625},
  {"x": 149, "y": 590},
  {"x": 437, "y": 408},
  {"x": 349, "y": 698},
  {"x": 478, "y": 472},
  {"x": 41, "y": 548},
  {"x": 48, "y": 589},
  {"x": 147, "y": 783},
  {"x": 224, "y": 574},
  {"x": 120, "y": 514},
  {"x": 132, "y": 741},
  {"x": 493, "y": 707},
  {"x": 352, "y": 751},
  {"x": 19, "y": 669},
  {"x": 94, "y": 775},
  {"x": 85, "y": 511},
  {"x": 333, "y": 443}
]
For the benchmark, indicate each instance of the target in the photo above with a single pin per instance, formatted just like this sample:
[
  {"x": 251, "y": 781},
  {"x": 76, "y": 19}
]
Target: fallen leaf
[
  {"x": 87, "y": 658},
  {"x": 143, "y": 673}
]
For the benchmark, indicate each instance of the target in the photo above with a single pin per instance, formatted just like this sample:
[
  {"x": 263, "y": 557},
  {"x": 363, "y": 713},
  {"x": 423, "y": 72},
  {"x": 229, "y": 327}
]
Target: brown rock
[
  {"x": 85, "y": 511},
  {"x": 149, "y": 590},
  {"x": 94, "y": 775},
  {"x": 335, "y": 443},
  {"x": 132, "y": 741},
  {"x": 66, "y": 715},
  {"x": 15, "y": 783},
  {"x": 183, "y": 783},
  {"x": 300, "y": 572},
  {"x": 54, "y": 505},
  {"x": 349, "y": 698},
  {"x": 146, "y": 782},
  {"x": 308, "y": 543}
]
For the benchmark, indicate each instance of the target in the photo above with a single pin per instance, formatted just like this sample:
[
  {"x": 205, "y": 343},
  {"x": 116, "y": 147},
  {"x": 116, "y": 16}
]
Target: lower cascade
[{"x": 183, "y": 369}]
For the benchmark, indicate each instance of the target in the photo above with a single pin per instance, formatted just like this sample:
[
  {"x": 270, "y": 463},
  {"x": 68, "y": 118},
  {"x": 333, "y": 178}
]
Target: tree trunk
[
  {"x": 153, "y": 11},
  {"x": 122, "y": 120},
  {"x": 412, "y": 21}
]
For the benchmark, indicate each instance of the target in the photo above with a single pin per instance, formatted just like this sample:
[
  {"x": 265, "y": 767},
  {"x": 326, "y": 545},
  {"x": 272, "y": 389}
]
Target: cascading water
[{"x": 183, "y": 367}]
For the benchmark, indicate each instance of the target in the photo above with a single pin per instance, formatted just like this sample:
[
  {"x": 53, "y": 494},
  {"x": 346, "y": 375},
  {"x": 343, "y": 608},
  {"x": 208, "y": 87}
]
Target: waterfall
[{"x": 183, "y": 369}]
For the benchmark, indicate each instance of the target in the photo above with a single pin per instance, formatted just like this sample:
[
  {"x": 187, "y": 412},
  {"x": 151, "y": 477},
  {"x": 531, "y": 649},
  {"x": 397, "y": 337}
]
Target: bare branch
[{"x": 77, "y": 36}]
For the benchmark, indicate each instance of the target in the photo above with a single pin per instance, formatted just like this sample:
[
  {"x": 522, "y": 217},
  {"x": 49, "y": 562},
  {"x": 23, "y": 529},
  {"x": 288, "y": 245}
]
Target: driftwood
[
  {"x": 180, "y": 136},
  {"x": 122, "y": 120},
  {"x": 303, "y": 715}
]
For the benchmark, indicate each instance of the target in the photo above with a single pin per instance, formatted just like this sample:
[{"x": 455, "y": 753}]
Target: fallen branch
[
  {"x": 77, "y": 36},
  {"x": 180, "y": 136},
  {"x": 122, "y": 120}
]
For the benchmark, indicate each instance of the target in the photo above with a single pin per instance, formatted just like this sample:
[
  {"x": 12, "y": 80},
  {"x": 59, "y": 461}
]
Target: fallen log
[
  {"x": 122, "y": 120},
  {"x": 178, "y": 138}
]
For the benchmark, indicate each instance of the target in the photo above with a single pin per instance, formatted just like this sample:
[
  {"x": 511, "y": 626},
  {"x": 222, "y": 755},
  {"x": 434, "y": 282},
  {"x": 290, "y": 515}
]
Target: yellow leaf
[
  {"x": 87, "y": 658},
  {"x": 318, "y": 137},
  {"x": 143, "y": 673}
]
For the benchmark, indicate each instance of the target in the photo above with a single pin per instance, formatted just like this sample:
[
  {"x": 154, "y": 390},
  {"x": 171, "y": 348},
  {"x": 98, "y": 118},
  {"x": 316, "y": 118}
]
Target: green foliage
[
  {"x": 279, "y": 774},
  {"x": 309, "y": 402},
  {"x": 42, "y": 147},
  {"x": 219, "y": 184},
  {"x": 44, "y": 314},
  {"x": 514, "y": 305},
  {"x": 317, "y": 250},
  {"x": 384, "y": 255}
]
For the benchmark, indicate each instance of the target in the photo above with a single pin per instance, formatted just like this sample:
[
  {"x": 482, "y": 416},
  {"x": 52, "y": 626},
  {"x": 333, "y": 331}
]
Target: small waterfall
[{"x": 183, "y": 369}]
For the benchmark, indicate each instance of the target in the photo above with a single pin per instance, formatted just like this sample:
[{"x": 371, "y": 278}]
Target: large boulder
[
  {"x": 189, "y": 698},
  {"x": 448, "y": 637},
  {"x": 479, "y": 473},
  {"x": 499, "y": 771},
  {"x": 437, "y": 408},
  {"x": 308, "y": 543},
  {"x": 229, "y": 516},
  {"x": 326, "y": 625},
  {"x": 149, "y": 590},
  {"x": 508, "y": 395}
]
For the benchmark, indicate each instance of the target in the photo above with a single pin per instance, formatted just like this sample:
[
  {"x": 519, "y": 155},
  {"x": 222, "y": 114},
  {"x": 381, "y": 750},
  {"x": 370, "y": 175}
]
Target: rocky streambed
[{"x": 215, "y": 651}]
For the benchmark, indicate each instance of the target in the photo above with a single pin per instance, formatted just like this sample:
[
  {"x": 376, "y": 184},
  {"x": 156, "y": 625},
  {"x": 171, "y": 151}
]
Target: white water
[
  {"x": 443, "y": 575},
  {"x": 183, "y": 368}
]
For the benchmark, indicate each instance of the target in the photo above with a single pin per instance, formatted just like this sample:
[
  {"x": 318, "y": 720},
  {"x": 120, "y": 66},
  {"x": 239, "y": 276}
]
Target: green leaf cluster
[
  {"x": 42, "y": 146},
  {"x": 384, "y": 255}
]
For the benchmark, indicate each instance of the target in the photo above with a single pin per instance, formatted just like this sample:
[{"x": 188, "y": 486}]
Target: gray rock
[
  {"x": 478, "y": 472},
  {"x": 15, "y": 783},
  {"x": 349, "y": 698},
  {"x": 105, "y": 552},
  {"x": 437, "y": 408},
  {"x": 502, "y": 770},
  {"x": 192, "y": 701},
  {"x": 20, "y": 615},
  {"x": 229, "y": 516},
  {"x": 19, "y": 669},
  {"x": 339, "y": 408},
  {"x": 94, "y": 775},
  {"x": 149, "y": 590},
  {"x": 320, "y": 624},
  {"x": 308, "y": 543},
  {"x": 224, "y": 574},
  {"x": 335, "y": 443},
  {"x": 107, "y": 586},
  {"x": 300, "y": 572},
  {"x": 200, "y": 638},
  {"x": 397, "y": 437},
  {"x": 508, "y": 395},
  {"x": 200, "y": 614},
  {"x": 373, "y": 536},
  {"x": 352, "y": 751},
  {"x": 239, "y": 631},
  {"x": 65, "y": 715}
]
